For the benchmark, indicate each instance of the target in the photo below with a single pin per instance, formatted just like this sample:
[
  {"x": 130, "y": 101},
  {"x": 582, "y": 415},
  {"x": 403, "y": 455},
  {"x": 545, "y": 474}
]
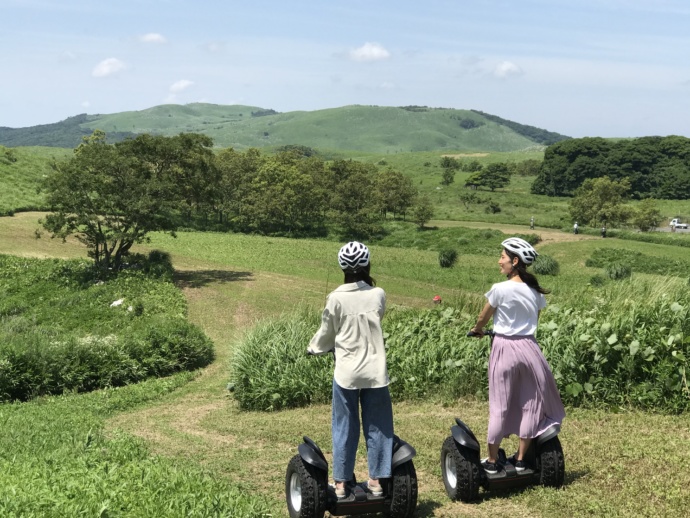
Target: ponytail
[
  {"x": 525, "y": 276},
  {"x": 360, "y": 275}
]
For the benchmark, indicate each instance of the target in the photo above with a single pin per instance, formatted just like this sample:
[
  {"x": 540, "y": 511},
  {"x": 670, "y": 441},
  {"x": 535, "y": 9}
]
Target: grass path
[{"x": 613, "y": 460}]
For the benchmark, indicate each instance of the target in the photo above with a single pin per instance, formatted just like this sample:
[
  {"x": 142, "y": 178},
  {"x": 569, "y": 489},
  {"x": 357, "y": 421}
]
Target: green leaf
[
  {"x": 605, "y": 328},
  {"x": 585, "y": 338},
  {"x": 612, "y": 339},
  {"x": 589, "y": 388},
  {"x": 589, "y": 321},
  {"x": 634, "y": 347},
  {"x": 551, "y": 325},
  {"x": 675, "y": 307}
]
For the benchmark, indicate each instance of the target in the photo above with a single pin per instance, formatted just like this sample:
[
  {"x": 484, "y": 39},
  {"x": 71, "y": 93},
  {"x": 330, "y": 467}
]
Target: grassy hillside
[
  {"x": 19, "y": 180},
  {"x": 372, "y": 129}
]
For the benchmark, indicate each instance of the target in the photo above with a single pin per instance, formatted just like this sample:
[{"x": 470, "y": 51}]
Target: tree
[
  {"x": 423, "y": 211},
  {"x": 647, "y": 216},
  {"x": 448, "y": 162},
  {"x": 112, "y": 196},
  {"x": 354, "y": 206},
  {"x": 469, "y": 198},
  {"x": 492, "y": 177},
  {"x": 601, "y": 201},
  {"x": 395, "y": 192},
  {"x": 447, "y": 177}
]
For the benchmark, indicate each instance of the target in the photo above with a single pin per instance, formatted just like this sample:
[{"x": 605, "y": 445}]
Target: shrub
[
  {"x": 492, "y": 207},
  {"x": 447, "y": 258},
  {"x": 597, "y": 280},
  {"x": 546, "y": 265},
  {"x": 627, "y": 346},
  {"x": 618, "y": 271},
  {"x": 60, "y": 330}
]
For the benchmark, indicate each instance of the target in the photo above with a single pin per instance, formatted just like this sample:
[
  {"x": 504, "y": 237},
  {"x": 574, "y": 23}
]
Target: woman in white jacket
[{"x": 351, "y": 327}]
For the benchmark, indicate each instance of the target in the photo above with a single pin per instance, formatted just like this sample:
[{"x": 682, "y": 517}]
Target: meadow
[{"x": 193, "y": 431}]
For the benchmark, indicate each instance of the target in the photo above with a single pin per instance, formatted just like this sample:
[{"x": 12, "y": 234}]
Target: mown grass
[{"x": 56, "y": 461}]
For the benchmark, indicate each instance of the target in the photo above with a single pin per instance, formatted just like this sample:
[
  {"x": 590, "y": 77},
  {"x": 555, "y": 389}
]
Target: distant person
[
  {"x": 673, "y": 226},
  {"x": 531, "y": 223},
  {"x": 603, "y": 231},
  {"x": 351, "y": 326},
  {"x": 437, "y": 299},
  {"x": 523, "y": 396},
  {"x": 575, "y": 228}
]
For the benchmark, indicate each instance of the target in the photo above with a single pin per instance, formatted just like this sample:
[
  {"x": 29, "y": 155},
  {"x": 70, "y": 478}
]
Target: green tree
[
  {"x": 447, "y": 177},
  {"x": 8, "y": 155},
  {"x": 112, "y": 196},
  {"x": 491, "y": 177},
  {"x": 601, "y": 201},
  {"x": 469, "y": 198},
  {"x": 395, "y": 192},
  {"x": 647, "y": 215},
  {"x": 355, "y": 209},
  {"x": 423, "y": 211}
]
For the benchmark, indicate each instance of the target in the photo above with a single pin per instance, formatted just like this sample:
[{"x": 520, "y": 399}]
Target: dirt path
[{"x": 548, "y": 235}]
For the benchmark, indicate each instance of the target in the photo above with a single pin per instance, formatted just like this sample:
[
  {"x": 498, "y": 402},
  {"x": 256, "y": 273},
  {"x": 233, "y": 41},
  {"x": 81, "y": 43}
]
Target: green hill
[
  {"x": 19, "y": 180},
  {"x": 371, "y": 129}
]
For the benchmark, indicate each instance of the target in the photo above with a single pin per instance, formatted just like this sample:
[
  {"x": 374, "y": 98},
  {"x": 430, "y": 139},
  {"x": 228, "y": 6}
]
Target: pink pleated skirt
[{"x": 523, "y": 397}]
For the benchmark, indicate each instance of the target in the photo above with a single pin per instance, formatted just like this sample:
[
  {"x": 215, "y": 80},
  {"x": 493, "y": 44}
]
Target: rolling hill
[{"x": 372, "y": 129}]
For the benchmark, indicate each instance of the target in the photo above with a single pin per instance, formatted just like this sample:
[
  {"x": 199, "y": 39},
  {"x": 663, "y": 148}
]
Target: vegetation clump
[
  {"x": 447, "y": 258},
  {"x": 66, "y": 328},
  {"x": 546, "y": 265}
]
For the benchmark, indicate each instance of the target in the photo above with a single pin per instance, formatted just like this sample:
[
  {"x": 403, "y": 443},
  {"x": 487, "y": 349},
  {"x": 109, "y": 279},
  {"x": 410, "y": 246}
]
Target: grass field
[{"x": 616, "y": 461}]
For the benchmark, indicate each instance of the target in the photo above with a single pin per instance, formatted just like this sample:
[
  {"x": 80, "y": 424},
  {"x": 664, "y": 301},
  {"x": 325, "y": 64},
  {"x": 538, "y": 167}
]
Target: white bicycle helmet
[
  {"x": 521, "y": 248},
  {"x": 353, "y": 256}
]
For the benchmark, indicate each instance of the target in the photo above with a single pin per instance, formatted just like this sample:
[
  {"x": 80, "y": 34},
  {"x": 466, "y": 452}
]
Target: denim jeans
[{"x": 377, "y": 425}]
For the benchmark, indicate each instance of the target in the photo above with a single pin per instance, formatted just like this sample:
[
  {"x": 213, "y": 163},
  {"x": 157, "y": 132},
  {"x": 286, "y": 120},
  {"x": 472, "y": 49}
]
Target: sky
[{"x": 609, "y": 68}]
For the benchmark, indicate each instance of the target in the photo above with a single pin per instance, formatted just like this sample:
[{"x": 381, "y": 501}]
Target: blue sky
[{"x": 611, "y": 68}]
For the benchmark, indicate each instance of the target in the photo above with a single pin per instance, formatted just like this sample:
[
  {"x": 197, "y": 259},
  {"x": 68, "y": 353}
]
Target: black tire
[
  {"x": 460, "y": 469},
  {"x": 403, "y": 487},
  {"x": 305, "y": 489},
  {"x": 551, "y": 463}
]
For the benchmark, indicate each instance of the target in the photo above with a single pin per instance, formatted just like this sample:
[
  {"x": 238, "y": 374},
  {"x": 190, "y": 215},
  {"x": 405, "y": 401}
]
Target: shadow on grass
[
  {"x": 200, "y": 278},
  {"x": 425, "y": 508}
]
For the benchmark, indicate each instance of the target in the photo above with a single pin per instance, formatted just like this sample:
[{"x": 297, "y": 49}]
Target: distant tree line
[
  {"x": 111, "y": 196},
  {"x": 657, "y": 167},
  {"x": 539, "y": 135}
]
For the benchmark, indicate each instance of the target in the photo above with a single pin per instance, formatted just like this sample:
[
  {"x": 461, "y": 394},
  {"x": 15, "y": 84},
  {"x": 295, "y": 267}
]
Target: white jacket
[{"x": 351, "y": 324}]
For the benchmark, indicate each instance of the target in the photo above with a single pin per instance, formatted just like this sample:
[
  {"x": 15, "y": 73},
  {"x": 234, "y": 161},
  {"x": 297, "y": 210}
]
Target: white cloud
[
  {"x": 369, "y": 52},
  {"x": 180, "y": 86},
  {"x": 153, "y": 37},
  {"x": 108, "y": 67},
  {"x": 507, "y": 69}
]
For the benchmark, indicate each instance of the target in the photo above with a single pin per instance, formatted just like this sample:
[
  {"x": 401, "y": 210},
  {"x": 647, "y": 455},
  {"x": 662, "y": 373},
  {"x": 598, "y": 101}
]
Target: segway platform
[
  {"x": 308, "y": 494},
  {"x": 463, "y": 473}
]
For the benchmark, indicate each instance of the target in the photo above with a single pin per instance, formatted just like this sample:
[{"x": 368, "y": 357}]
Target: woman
[
  {"x": 351, "y": 325},
  {"x": 523, "y": 397}
]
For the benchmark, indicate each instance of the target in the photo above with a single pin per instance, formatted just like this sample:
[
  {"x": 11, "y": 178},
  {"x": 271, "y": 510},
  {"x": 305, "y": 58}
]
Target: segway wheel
[
  {"x": 403, "y": 491},
  {"x": 305, "y": 489},
  {"x": 460, "y": 469},
  {"x": 551, "y": 463}
]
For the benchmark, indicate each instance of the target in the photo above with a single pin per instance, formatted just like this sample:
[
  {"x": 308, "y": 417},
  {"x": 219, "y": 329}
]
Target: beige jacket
[{"x": 351, "y": 324}]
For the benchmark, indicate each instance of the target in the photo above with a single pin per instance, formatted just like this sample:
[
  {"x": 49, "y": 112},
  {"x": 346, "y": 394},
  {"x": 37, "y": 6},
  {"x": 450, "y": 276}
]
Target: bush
[
  {"x": 618, "y": 271},
  {"x": 545, "y": 265},
  {"x": 597, "y": 280},
  {"x": 492, "y": 207},
  {"x": 628, "y": 346},
  {"x": 447, "y": 258},
  {"x": 62, "y": 329}
]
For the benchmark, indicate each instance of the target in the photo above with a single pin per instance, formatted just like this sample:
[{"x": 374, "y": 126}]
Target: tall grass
[{"x": 627, "y": 344}]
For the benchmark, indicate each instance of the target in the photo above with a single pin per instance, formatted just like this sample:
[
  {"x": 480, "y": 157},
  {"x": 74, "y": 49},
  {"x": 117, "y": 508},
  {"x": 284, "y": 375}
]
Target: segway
[
  {"x": 309, "y": 495},
  {"x": 463, "y": 473}
]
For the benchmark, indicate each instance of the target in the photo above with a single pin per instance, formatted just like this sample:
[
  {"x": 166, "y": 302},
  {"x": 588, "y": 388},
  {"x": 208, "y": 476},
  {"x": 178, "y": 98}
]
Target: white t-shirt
[
  {"x": 351, "y": 324},
  {"x": 517, "y": 308}
]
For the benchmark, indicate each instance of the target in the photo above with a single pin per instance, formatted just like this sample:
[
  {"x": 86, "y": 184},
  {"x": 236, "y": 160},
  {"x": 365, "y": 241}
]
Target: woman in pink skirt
[{"x": 523, "y": 397}]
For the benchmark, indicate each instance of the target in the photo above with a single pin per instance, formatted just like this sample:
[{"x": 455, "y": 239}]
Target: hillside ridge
[{"x": 376, "y": 129}]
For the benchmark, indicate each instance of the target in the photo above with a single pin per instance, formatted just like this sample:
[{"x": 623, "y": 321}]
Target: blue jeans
[{"x": 377, "y": 425}]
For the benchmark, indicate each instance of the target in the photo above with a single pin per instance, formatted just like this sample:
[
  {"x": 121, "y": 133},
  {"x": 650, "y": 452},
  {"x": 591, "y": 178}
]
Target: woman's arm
[{"x": 484, "y": 317}]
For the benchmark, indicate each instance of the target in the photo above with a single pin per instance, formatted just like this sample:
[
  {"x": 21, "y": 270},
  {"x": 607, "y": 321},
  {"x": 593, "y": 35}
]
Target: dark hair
[
  {"x": 360, "y": 275},
  {"x": 525, "y": 276}
]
